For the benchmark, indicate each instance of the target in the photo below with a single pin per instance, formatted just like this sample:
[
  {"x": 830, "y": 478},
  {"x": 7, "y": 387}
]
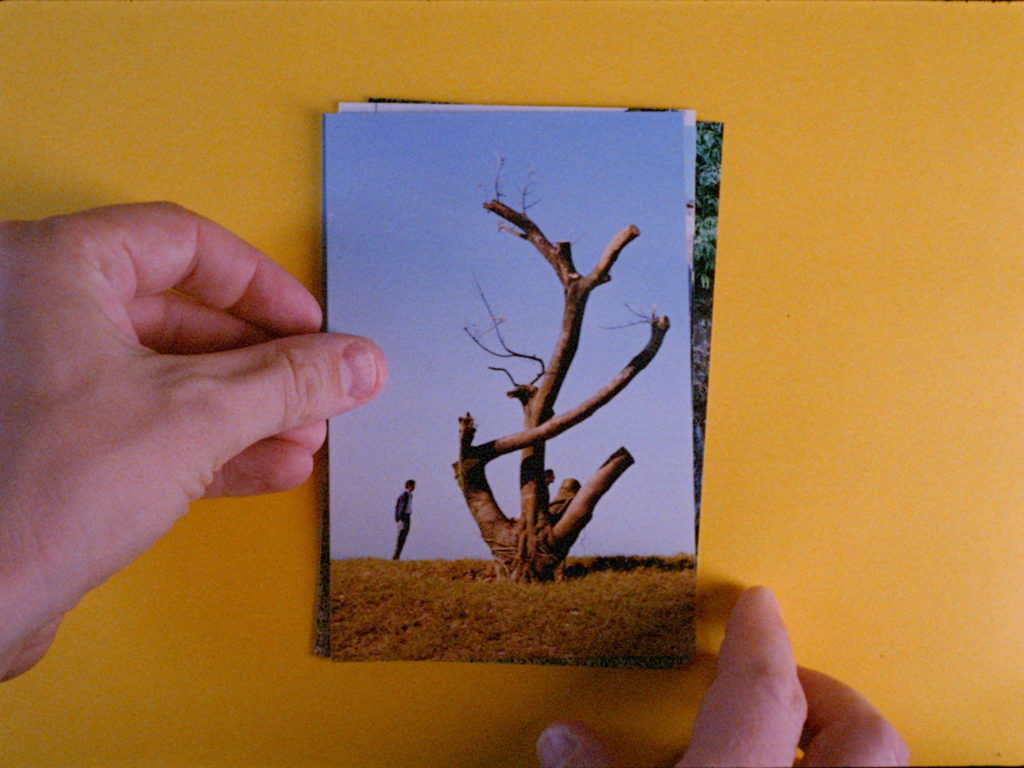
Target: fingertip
[
  {"x": 755, "y": 617},
  {"x": 310, "y": 316},
  {"x": 760, "y": 594},
  {"x": 365, "y": 368},
  {"x": 310, "y": 437},
  {"x": 844, "y": 728},
  {"x": 760, "y": 600},
  {"x": 569, "y": 744},
  {"x": 269, "y": 466},
  {"x": 555, "y": 744}
]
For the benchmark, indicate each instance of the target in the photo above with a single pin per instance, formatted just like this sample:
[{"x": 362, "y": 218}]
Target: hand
[
  {"x": 759, "y": 709},
  {"x": 148, "y": 358}
]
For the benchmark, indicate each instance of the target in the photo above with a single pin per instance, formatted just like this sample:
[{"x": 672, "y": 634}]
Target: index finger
[
  {"x": 145, "y": 249},
  {"x": 754, "y": 711}
]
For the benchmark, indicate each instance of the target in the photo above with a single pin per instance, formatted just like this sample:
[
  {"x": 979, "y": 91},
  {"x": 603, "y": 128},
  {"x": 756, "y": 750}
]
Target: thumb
[{"x": 270, "y": 388}]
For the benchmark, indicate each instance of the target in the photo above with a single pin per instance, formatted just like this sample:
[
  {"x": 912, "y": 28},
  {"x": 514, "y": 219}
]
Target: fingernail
[
  {"x": 556, "y": 745},
  {"x": 361, "y": 361}
]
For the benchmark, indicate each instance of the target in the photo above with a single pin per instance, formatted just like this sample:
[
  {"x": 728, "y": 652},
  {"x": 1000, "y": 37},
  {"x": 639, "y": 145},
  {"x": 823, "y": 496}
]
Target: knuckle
[
  {"x": 84, "y": 232},
  {"x": 78, "y": 240},
  {"x": 189, "y": 395},
  {"x": 71, "y": 235},
  {"x": 306, "y": 388},
  {"x": 778, "y": 687},
  {"x": 169, "y": 208},
  {"x": 174, "y": 217}
]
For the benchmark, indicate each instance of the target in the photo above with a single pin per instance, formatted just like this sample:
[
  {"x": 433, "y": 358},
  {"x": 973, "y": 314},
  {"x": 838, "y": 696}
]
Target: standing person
[{"x": 403, "y": 516}]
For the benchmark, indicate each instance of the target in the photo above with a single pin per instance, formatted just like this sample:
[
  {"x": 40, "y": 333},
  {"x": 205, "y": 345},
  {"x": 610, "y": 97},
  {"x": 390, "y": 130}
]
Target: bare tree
[{"x": 532, "y": 546}]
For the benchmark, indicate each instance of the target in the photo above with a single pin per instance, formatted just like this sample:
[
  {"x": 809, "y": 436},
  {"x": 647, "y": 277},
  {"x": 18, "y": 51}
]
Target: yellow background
[{"x": 866, "y": 426}]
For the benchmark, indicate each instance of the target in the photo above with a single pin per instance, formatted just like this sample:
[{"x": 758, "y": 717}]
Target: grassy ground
[{"x": 612, "y": 611}]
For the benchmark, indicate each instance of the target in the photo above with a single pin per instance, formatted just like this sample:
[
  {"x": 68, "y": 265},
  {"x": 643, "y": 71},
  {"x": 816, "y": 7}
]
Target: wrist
[
  {"x": 33, "y": 594},
  {"x": 22, "y": 606}
]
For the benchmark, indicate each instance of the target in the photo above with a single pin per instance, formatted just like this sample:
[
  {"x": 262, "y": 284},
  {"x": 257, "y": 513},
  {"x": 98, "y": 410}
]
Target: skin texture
[
  {"x": 148, "y": 358},
  {"x": 759, "y": 709}
]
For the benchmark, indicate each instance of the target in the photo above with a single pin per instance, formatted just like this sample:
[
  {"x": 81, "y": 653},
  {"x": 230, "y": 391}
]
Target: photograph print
[{"x": 523, "y": 488}]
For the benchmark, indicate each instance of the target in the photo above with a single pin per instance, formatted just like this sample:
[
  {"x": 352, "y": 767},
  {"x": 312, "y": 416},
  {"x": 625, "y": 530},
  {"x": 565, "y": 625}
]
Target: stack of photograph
[{"x": 527, "y": 487}]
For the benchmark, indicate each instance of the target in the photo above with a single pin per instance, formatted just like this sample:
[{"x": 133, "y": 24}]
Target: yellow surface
[{"x": 866, "y": 428}]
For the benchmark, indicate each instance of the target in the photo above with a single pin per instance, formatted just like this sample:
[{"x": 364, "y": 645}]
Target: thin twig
[
  {"x": 511, "y": 231},
  {"x": 496, "y": 327},
  {"x": 642, "y": 319},
  {"x": 526, "y": 190},
  {"x": 497, "y": 176},
  {"x": 505, "y": 371}
]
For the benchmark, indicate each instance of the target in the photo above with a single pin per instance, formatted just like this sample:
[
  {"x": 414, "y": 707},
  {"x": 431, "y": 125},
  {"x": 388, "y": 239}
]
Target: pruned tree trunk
[{"x": 532, "y": 546}]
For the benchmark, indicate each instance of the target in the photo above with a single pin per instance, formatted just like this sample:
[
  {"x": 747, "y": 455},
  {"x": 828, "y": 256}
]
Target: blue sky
[{"x": 406, "y": 235}]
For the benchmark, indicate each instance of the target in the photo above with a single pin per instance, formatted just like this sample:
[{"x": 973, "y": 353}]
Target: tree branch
[
  {"x": 556, "y": 425},
  {"x": 497, "y": 177},
  {"x": 467, "y": 431},
  {"x": 581, "y": 508},
  {"x": 511, "y": 230},
  {"x": 558, "y": 255},
  {"x": 496, "y": 326},
  {"x": 508, "y": 353},
  {"x": 526, "y": 190},
  {"x": 564, "y": 352},
  {"x": 599, "y": 274},
  {"x": 470, "y": 472},
  {"x": 505, "y": 371},
  {"x": 641, "y": 319},
  {"x": 566, "y": 493},
  {"x": 577, "y": 292}
]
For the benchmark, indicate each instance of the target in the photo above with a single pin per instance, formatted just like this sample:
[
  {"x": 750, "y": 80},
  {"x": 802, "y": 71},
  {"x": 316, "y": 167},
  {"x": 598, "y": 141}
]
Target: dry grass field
[{"x": 608, "y": 611}]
